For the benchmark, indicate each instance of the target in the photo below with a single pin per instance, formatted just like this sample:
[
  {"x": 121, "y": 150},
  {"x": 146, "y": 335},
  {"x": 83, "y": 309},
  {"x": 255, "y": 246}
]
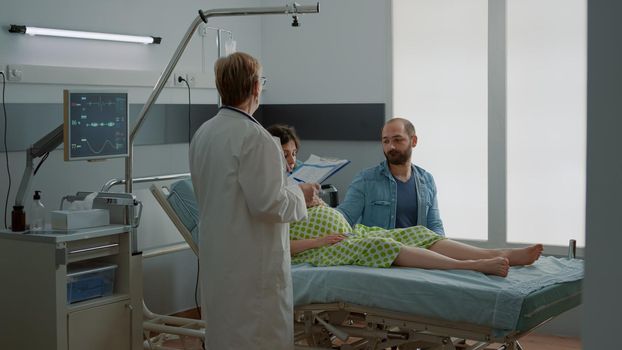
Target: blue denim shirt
[{"x": 372, "y": 198}]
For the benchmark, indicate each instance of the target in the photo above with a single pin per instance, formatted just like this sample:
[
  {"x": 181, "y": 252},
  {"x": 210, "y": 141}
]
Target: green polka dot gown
[{"x": 365, "y": 246}]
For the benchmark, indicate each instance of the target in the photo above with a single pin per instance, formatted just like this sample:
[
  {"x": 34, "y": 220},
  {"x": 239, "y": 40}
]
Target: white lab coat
[{"x": 238, "y": 172}]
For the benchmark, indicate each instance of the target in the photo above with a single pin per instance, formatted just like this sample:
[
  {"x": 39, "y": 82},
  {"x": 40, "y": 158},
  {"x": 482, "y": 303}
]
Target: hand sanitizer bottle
[{"x": 37, "y": 213}]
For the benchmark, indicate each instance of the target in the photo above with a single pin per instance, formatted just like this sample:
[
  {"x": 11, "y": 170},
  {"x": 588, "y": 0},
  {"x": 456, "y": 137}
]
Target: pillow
[{"x": 183, "y": 201}]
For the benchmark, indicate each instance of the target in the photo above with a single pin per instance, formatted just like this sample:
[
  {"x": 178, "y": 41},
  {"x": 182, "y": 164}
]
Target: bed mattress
[{"x": 522, "y": 300}]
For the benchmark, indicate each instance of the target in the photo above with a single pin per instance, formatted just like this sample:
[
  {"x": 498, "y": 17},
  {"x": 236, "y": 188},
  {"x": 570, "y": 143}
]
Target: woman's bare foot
[
  {"x": 498, "y": 266},
  {"x": 523, "y": 256}
]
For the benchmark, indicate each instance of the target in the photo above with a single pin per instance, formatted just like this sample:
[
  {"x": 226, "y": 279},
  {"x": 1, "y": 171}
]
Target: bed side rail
[{"x": 115, "y": 182}]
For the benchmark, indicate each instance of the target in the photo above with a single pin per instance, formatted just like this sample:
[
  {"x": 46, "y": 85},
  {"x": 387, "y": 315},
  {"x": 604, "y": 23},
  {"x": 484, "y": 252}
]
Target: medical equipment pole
[{"x": 293, "y": 9}]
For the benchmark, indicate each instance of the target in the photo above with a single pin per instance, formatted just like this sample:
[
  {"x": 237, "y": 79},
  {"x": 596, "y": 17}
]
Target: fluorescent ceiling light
[{"x": 83, "y": 35}]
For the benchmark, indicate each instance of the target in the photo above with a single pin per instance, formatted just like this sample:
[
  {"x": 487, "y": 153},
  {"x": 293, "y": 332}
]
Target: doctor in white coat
[{"x": 245, "y": 206}]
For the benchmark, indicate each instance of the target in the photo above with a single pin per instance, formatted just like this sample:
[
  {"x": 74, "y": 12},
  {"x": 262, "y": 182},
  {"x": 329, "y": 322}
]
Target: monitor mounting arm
[{"x": 46, "y": 144}]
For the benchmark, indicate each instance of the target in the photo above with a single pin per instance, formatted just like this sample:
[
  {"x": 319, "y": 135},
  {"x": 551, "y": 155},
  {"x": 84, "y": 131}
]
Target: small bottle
[
  {"x": 18, "y": 219},
  {"x": 37, "y": 213}
]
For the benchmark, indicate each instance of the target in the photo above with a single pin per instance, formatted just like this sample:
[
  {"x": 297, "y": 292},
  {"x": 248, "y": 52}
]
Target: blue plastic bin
[{"x": 88, "y": 282}]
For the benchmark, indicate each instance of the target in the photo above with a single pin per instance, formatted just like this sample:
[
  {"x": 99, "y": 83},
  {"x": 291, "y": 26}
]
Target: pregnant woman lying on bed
[{"x": 326, "y": 239}]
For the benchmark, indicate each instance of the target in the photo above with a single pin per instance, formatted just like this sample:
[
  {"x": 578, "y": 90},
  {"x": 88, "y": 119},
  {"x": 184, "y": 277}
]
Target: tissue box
[{"x": 77, "y": 219}]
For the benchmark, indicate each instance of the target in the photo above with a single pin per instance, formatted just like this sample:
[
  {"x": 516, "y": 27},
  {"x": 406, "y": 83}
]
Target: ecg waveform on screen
[
  {"x": 101, "y": 149},
  {"x": 87, "y": 104},
  {"x": 93, "y": 124},
  {"x": 99, "y": 125}
]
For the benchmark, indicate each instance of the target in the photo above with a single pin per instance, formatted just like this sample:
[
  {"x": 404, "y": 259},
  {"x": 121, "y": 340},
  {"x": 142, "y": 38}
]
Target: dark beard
[{"x": 395, "y": 157}]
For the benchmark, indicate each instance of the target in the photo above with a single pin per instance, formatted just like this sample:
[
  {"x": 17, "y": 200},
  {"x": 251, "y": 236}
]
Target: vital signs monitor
[{"x": 96, "y": 124}]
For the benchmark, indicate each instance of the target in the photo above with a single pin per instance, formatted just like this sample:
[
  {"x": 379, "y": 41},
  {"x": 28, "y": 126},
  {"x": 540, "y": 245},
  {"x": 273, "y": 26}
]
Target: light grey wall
[
  {"x": 337, "y": 56},
  {"x": 603, "y": 281}
]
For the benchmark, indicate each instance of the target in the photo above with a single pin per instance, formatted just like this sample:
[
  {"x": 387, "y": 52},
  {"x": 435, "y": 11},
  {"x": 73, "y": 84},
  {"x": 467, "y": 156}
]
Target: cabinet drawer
[
  {"x": 103, "y": 327},
  {"x": 92, "y": 248}
]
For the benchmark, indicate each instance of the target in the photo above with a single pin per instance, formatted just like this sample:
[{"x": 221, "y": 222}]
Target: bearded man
[{"x": 395, "y": 193}]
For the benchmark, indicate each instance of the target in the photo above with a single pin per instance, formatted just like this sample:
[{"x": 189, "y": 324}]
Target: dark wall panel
[
  {"x": 169, "y": 123},
  {"x": 343, "y": 122}
]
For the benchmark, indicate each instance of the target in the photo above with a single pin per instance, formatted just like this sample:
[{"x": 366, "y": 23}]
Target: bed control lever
[
  {"x": 343, "y": 336},
  {"x": 330, "y": 193},
  {"x": 572, "y": 249}
]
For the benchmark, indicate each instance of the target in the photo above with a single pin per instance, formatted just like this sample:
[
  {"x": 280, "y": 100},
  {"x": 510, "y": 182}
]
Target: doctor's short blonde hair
[{"x": 236, "y": 76}]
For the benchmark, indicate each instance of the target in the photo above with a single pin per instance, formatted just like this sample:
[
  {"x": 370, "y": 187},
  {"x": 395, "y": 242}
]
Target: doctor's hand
[
  {"x": 316, "y": 202},
  {"x": 310, "y": 192}
]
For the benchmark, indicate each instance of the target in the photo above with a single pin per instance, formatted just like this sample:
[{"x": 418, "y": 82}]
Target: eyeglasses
[{"x": 262, "y": 81}]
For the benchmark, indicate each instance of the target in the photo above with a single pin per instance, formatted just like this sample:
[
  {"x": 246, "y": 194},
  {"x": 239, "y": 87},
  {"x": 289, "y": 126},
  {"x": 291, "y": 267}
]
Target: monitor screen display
[{"x": 96, "y": 125}]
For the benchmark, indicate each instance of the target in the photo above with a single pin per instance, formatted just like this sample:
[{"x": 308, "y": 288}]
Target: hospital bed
[{"x": 353, "y": 307}]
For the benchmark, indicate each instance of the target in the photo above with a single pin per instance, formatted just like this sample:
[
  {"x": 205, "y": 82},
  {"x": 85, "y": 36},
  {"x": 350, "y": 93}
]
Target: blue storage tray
[{"x": 88, "y": 282}]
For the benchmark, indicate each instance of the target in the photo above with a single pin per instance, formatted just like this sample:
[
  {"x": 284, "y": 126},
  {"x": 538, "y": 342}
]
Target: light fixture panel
[{"x": 21, "y": 29}]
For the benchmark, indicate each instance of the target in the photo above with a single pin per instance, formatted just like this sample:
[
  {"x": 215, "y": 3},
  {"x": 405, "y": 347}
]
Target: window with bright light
[
  {"x": 440, "y": 84},
  {"x": 546, "y": 120},
  {"x": 440, "y": 69}
]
